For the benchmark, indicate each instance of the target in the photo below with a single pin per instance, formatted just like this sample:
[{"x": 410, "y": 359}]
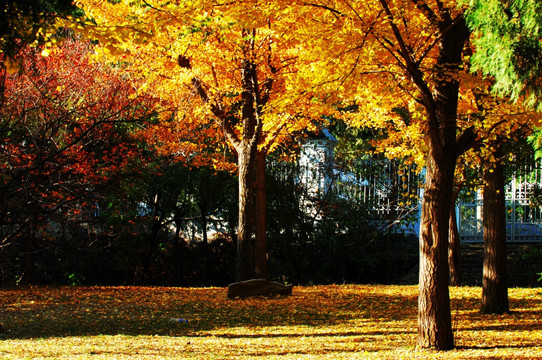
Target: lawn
[{"x": 316, "y": 322}]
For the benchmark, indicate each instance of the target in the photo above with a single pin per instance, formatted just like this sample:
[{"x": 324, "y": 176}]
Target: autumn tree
[
  {"x": 56, "y": 115},
  {"x": 411, "y": 55},
  {"x": 229, "y": 70},
  {"x": 505, "y": 127},
  {"x": 507, "y": 42},
  {"x": 391, "y": 54}
]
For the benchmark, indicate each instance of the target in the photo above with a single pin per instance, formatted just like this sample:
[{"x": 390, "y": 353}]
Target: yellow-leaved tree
[
  {"x": 411, "y": 56},
  {"x": 229, "y": 71},
  {"x": 390, "y": 54},
  {"x": 405, "y": 65},
  {"x": 498, "y": 126}
]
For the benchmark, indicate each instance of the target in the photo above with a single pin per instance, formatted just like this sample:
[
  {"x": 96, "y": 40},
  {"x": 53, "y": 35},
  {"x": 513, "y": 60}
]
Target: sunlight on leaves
[{"x": 316, "y": 322}]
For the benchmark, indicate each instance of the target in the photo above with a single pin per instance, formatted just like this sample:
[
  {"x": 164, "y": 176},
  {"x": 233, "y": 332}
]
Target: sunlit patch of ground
[{"x": 319, "y": 322}]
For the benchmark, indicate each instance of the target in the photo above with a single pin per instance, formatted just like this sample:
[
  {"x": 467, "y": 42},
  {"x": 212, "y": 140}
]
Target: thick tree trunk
[
  {"x": 434, "y": 316},
  {"x": 454, "y": 248},
  {"x": 251, "y": 240},
  {"x": 440, "y": 102},
  {"x": 245, "y": 234},
  {"x": 494, "y": 283},
  {"x": 260, "y": 248},
  {"x": 251, "y": 231}
]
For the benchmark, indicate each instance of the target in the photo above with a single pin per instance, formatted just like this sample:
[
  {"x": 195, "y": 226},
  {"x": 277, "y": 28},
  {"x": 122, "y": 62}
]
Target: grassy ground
[{"x": 320, "y": 322}]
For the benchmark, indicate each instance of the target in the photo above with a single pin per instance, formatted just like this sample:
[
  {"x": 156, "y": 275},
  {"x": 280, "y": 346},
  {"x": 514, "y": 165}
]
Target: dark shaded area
[
  {"x": 58, "y": 312},
  {"x": 148, "y": 230},
  {"x": 257, "y": 287},
  {"x": 524, "y": 261},
  {"x": 22, "y": 20}
]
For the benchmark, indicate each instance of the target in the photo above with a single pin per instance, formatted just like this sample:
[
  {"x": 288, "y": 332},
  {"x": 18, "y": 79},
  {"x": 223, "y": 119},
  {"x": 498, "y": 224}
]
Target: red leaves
[{"x": 65, "y": 123}]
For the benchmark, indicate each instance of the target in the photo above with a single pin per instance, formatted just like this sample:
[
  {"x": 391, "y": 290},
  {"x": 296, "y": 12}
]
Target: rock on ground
[{"x": 257, "y": 287}]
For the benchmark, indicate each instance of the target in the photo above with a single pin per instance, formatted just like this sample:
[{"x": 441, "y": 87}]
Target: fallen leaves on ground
[{"x": 316, "y": 322}]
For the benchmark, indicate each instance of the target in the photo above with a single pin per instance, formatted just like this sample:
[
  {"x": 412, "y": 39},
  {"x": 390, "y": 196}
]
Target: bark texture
[
  {"x": 251, "y": 228},
  {"x": 494, "y": 282},
  {"x": 454, "y": 249},
  {"x": 434, "y": 316},
  {"x": 245, "y": 238}
]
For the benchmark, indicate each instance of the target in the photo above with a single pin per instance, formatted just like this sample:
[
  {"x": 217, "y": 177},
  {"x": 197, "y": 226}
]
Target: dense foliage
[
  {"x": 507, "y": 42},
  {"x": 66, "y": 131}
]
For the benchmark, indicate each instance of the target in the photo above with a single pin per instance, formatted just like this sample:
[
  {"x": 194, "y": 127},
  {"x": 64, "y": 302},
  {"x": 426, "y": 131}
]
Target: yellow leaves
[
  {"x": 317, "y": 322},
  {"x": 11, "y": 66},
  {"x": 217, "y": 39},
  {"x": 45, "y": 52}
]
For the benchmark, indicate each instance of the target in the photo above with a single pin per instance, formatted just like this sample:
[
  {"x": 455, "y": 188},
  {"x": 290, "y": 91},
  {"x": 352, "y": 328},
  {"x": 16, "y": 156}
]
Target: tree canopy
[
  {"x": 193, "y": 55},
  {"x": 225, "y": 72},
  {"x": 507, "y": 40},
  {"x": 62, "y": 137}
]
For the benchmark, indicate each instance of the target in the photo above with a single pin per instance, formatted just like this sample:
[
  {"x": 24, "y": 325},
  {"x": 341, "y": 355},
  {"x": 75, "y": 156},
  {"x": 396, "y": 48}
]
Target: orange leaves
[
  {"x": 215, "y": 40},
  {"x": 321, "y": 322}
]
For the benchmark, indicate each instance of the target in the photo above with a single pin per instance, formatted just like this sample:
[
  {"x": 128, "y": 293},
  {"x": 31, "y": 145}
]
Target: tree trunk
[
  {"x": 494, "y": 283},
  {"x": 454, "y": 248},
  {"x": 440, "y": 102},
  {"x": 434, "y": 317},
  {"x": 245, "y": 234},
  {"x": 260, "y": 248},
  {"x": 251, "y": 239},
  {"x": 251, "y": 231}
]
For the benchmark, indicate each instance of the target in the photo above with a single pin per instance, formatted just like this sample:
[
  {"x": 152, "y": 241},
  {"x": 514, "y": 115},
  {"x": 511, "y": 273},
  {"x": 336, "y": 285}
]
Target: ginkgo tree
[
  {"x": 413, "y": 56},
  {"x": 229, "y": 71},
  {"x": 406, "y": 54}
]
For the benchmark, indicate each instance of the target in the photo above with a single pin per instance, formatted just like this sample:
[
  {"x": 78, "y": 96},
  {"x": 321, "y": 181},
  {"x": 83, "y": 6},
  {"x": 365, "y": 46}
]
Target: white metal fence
[
  {"x": 393, "y": 192},
  {"x": 523, "y": 215}
]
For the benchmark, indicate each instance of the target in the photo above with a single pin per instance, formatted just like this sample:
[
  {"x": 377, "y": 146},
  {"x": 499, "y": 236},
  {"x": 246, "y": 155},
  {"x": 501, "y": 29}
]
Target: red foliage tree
[{"x": 65, "y": 134}]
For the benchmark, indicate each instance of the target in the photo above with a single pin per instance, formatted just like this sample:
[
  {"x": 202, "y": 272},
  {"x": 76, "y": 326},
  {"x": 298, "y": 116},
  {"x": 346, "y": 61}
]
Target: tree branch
[{"x": 216, "y": 109}]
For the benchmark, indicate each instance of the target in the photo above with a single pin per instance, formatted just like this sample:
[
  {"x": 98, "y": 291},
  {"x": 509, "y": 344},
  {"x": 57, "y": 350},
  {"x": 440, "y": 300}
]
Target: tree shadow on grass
[
  {"x": 303, "y": 335},
  {"x": 504, "y": 327},
  {"x": 45, "y": 312},
  {"x": 492, "y": 347}
]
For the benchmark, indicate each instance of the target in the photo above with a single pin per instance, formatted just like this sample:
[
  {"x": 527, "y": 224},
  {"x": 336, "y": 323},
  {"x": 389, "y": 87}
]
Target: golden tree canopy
[{"x": 191, "y": 55}]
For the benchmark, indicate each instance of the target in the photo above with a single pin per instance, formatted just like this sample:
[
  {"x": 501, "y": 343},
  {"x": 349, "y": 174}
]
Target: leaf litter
[{"x": 316, "y": 322}]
